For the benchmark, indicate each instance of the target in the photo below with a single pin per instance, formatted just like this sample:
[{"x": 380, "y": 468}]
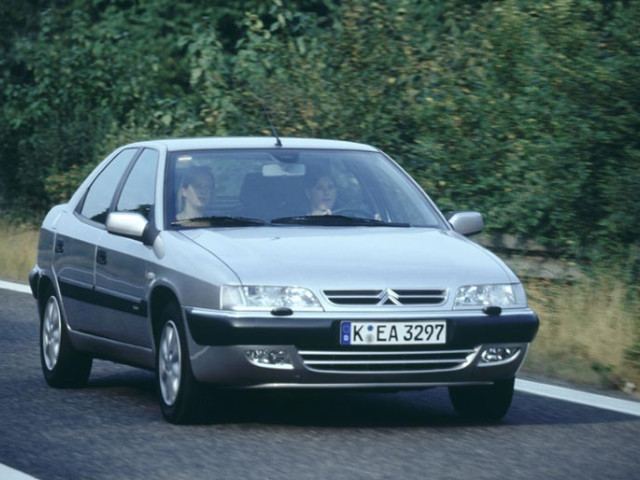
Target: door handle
[
  {"x": 101, "y": 257},
  {"x": 59, "y": 246}
]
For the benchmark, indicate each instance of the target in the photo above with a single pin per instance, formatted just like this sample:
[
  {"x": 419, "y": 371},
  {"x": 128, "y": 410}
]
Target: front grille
[
  {"x": 387, "y": 361},
  {"x": 386, "y": 297}
]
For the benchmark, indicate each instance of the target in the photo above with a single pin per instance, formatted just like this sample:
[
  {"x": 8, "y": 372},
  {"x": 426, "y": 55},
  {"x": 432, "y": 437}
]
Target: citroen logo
[{"x": 389, "y": 297}]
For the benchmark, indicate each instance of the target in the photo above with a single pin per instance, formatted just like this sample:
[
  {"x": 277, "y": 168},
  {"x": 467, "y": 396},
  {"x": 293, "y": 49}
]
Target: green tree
[{"x": 527, "y": 111}]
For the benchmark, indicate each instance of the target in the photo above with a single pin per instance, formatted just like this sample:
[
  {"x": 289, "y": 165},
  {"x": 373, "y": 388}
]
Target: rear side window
[
  {"x": 98, "y": 200},
  {"x": 138, "y": 193}
]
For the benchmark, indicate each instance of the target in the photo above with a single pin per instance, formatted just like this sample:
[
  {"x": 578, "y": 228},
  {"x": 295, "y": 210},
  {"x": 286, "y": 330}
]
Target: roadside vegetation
[
  {"x": 588, "y": 332},
  {"x": 525, "y": 111},
  {"x": 18, "y": 251}
]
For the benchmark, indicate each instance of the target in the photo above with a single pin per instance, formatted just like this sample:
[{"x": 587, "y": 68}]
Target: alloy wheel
[
  {"x": 51, "y": 333},
  {"x": 170, "y": 363}
]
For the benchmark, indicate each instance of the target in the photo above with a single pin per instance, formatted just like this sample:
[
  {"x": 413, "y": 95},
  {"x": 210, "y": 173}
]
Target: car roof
[{"x": 179, "y": 144}]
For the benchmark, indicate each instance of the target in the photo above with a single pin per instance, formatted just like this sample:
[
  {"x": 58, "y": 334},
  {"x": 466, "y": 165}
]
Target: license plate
[{"x": 393, "y": 333}]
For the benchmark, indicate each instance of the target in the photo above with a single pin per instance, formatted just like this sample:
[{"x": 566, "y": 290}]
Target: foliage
[{"x": 526, "y": 111}]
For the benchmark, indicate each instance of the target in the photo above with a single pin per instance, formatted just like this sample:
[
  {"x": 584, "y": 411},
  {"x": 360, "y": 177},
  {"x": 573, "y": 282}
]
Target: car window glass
[
  {"x": 96, "y": 203},
  {"x": 138, "y": 192},
  {"x": 393, "y": 195},
  {"x": 266, "y": 185}
]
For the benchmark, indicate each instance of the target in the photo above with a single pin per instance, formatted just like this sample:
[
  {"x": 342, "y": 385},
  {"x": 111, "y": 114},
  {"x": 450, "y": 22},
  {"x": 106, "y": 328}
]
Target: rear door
[{"x": 76, "y": 238}]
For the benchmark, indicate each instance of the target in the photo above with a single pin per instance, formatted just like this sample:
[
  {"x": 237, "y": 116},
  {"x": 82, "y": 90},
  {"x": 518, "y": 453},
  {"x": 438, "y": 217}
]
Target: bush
[{"x": 526, "y": 111}]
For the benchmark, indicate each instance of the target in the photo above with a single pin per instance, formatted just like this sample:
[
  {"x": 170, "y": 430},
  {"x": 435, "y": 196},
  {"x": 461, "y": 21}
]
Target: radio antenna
[{"x": 273, "y": 128}]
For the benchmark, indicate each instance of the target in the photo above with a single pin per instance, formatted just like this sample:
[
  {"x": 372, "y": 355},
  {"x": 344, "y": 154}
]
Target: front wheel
[
  {"x": 179, "y": 392},
  {"x": 483, "y": 402},
  {"x": 63, "y": 367}
]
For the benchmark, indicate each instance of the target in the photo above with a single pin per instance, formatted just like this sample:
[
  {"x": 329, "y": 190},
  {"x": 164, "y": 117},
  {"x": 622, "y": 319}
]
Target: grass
[
  {"x": 587, "y": 327},
  {"x": 18, "y": 251}
]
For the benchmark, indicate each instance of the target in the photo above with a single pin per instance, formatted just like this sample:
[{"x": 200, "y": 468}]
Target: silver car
[{"x": 266, "y": 263}]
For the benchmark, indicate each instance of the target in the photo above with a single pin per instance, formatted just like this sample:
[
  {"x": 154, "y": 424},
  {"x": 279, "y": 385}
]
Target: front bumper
[
  {"x": 323, "y": 331},
  {"x": 219, "y": 346}
]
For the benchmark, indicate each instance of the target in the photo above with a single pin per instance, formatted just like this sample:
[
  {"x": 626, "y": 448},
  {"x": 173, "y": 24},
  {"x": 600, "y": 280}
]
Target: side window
[
  {"x": 138, "y": 193},
  {"x": 96, "y": 203}
]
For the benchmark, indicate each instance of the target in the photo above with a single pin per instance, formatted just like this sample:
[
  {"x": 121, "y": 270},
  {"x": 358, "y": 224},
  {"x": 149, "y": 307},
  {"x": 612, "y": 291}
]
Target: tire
[
  {"x": 63, "y": 367},
  {"x": 180, "y": 394},
  {"x": 483, "y": 402}
]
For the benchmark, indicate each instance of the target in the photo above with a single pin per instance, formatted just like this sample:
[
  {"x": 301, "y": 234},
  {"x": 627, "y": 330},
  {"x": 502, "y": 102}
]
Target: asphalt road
[{"x": 113, "y": 430}]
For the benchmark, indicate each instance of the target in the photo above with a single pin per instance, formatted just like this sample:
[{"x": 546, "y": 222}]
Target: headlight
[
  {"x": 499, "y": 295},
  {"x": 266, "y": 298}
]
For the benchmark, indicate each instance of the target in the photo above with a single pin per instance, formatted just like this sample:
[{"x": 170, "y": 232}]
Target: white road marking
[
  {"x": 583, "y": 398},
  {"x": 16, "y": 287},
  {"x": 8, "y": 473}
]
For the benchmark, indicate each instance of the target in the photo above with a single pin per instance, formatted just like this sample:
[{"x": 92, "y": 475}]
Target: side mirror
[
  {"x": 131, "y": 225},
  {"x": 466, "y": 223}
]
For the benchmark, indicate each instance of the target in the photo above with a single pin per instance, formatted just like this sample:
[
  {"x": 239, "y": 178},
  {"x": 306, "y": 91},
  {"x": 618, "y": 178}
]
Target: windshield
[{"x": 221, "y": 188}]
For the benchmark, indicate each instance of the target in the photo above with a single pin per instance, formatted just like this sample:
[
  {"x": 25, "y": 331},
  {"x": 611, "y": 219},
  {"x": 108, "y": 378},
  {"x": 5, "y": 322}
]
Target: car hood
[{"x": 360, "y": 257}]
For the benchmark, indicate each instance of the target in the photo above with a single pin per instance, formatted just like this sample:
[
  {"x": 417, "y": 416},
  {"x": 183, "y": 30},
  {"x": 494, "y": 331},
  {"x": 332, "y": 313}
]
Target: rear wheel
[
  {"x": 483, "y": 402},
  {"x": 181, "y": 396},
  {"x": 63, "y": 367}
]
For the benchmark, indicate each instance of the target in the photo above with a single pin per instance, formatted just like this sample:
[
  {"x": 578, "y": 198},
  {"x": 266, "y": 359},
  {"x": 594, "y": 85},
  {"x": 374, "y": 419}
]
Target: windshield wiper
[
  {"x": 335, "y": 221},
  {"x": 219, "y": 221}
]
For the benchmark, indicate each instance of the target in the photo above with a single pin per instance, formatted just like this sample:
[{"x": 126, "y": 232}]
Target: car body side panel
[
  {"x": 188, "y": 270},
  {"x": 73, "y": 264},
  {"x": 120, "y": 306}
]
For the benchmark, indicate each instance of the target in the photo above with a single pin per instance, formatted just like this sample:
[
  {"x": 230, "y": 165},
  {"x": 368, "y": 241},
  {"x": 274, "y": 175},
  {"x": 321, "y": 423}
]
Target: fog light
[
  {"x": 269, "y": 358},
  {"x": 498, "y": 354}
]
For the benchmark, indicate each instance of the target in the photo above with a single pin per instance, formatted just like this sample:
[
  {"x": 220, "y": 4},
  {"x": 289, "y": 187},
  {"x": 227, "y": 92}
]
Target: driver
[
  {"x": 322, "y": 195},
  {"x": 195, "y": 193}
]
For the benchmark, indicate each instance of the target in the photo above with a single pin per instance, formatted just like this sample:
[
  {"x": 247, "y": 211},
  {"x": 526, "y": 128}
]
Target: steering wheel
[{"x": 355, "y": 212}]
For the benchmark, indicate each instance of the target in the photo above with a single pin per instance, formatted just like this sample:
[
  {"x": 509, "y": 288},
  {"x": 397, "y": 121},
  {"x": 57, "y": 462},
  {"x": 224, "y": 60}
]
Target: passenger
[
  {"x": 195, "y": 193},
  {"x": 322, "y": 195}
]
